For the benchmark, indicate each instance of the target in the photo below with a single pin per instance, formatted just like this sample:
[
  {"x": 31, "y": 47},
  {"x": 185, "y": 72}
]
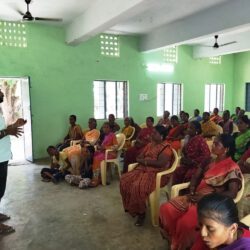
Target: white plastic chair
[
  {"x": 246, "y": 220},
  {"x": 219, "y": 129},
  {"x": 177, "y": 188},
  {"x": 143, "y": 125},
  {"x": 116, "y": 162},
  {"x": 131, "y": 136},
  {"x": 154, "y": 197},
  {"x": 235, "y": 128}
]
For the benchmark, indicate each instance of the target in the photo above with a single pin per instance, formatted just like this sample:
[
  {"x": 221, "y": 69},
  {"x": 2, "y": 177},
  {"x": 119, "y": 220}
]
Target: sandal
[
  {"x": 4, "y": 229},
  {"x": 4, "y": 217},
  {"x": 140, "y": 220},
  {"x": 94, "y": 183}
]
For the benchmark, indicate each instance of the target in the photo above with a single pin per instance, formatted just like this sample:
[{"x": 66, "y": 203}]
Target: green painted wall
[
  {"x": 62, "y": 76},
  {"x": 242, "y": 75}
]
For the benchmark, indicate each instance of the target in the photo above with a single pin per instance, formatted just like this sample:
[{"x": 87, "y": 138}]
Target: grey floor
[{"x": 48, "y": 216}]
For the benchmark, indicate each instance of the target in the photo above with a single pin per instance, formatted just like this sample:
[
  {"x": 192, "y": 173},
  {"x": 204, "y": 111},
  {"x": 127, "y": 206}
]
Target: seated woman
[
  {"x": 127, "y": 131},
  {"x": 208, "y": 127},
  {"x": 109, "y": 142},
  {"x": 165, "y": 121},
  {"x": 219, "y": 225},
  {"x": 194, "y": 152},
  {"x": 175, "y": 133},
  {"x": 220, "y": 175},
  {"x": 83, "y": 180},
  {"x": 136, "y": 126},
  {"x": 242, "y": 138},
  {"x": 215, "y": 116},
  {"x": 92, "y": 135},
  {"x": 136, "y": 186},
  {"x": 142, "y": 140},
  {"x": 227, "y": 123}
]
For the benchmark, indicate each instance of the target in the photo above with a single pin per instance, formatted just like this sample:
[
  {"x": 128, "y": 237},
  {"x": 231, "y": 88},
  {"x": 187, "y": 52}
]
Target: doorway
[{"x": 16, "y": 104}]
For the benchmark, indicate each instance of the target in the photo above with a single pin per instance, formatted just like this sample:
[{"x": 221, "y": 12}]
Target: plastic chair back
[{"x": 121, "y": 138}]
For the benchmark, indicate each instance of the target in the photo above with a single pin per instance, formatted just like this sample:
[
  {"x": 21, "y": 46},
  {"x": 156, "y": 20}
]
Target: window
[
  {"x": 248, "y": 96},
  {"x": 110, "y": 97},
  {"x": 169, "y": 97},
  {"x": 214, "y": 97}
]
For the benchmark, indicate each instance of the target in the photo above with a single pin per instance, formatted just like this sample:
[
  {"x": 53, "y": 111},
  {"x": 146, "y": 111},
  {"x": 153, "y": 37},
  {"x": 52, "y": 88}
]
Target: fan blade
[
  {"x": 48, "y": 19},
  {"x": 224, "y": 44},
  {"x": 203, "y": 45}
]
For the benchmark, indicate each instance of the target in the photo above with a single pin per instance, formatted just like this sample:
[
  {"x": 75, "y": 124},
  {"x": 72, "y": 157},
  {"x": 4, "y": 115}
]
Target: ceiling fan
[
  {"x": 217, "y": 45},
  {"x": 27, "y": 16}
]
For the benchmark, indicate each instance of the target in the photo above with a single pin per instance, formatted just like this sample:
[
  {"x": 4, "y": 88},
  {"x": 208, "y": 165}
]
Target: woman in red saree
[
  {"x": 220, "y": 227},
  {"x": 143, "y": 138},
  {"x": 178, "y": 217},
  {"x": 136, "y": 185},
  {"x": 194, "y": 152},
  {"x": 175, "y": 133},
  {"x": 109, "y": 142}
]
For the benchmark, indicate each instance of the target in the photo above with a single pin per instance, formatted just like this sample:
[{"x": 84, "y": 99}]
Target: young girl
[{"x": 219, "y": 225}]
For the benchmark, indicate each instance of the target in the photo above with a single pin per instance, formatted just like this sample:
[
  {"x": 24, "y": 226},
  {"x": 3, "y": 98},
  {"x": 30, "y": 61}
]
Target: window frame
[
  {"x": 221, "y": 104},
  {"x": 125, "y": 98},
  {"x": 173, "y": 94}
]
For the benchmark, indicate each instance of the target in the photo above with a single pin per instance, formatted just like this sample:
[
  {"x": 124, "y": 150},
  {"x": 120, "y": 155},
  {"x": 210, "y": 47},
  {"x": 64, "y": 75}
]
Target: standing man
[{"x": 5, "y": 155}]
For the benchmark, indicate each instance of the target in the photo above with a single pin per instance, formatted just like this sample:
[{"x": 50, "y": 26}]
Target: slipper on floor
[
  {"x": 46, "y": 180},
  {"x": 4, "y": 229},
  {"x": 4, "y": 217}
]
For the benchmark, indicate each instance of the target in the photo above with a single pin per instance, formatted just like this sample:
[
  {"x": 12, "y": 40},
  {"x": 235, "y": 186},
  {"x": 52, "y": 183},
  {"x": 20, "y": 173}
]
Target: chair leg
[
  {"x": 103, "y": 173},
  {"x": 154, "y": 209}
]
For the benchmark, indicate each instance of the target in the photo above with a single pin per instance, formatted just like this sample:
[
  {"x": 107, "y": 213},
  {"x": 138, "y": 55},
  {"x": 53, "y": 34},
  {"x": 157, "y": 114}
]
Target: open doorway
[{"x": 16, "y": 104}]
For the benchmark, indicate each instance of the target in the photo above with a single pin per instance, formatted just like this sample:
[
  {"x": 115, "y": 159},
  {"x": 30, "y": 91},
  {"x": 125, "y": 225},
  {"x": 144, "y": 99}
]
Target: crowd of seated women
[{"x": 215, "y": 173}]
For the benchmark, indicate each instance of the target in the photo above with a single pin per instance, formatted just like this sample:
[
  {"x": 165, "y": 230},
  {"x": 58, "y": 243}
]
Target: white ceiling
[{"x": 160, "y": 23}]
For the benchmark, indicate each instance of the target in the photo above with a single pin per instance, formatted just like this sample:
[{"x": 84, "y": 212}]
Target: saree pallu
[
  {"x": 216, "y": 119},
  {"x": 242, "y": 243},
  {"x": 133, "y": 152},
  {"x": 92, "y": 136},
  {"x": 173, "y": 137},
  {"x": 241, "y": 144},
  {"x": 179, "y": 215},
  {"x": 197, "y": 150},
  {"x": 136, "y": 185}
]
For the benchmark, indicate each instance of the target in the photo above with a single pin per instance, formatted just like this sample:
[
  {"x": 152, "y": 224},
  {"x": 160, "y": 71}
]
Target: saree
[
  {"x": 109, "y": 142},
  {"x": 173, "y": 137},
  {"x": 241, "y": 144},
  {"x": 144, "y": 137},
  {"x": 209, "y": 129},
  {"x": 216, "y": 119},
  {"x": 196, "y": 150},
  {"x": 136, "y": 185},
  {"x": 242, "y": 243},
  {"x": 92, "y": 136},
  {"x": 179, "y": 215}
]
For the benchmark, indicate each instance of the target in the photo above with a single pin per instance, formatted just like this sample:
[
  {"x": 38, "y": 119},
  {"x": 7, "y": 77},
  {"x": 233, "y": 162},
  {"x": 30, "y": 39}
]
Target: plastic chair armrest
[
  {"x": 106, "y": 153},
  {"x": 132, "y": 166},
  {"x": 175, "y": 190}
]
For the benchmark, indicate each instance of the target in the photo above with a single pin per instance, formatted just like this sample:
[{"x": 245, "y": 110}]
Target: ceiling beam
[
  {"x": 102, "y": 15},
  {"x": 214, "y": 20}
]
